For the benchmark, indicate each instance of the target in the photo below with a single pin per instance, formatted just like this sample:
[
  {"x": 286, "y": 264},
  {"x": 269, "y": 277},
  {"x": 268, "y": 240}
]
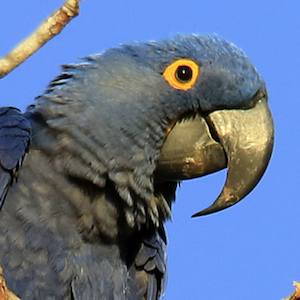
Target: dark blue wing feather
[
  {"x": 15, "y": 133},
  {"x": 147, "y": 275}
]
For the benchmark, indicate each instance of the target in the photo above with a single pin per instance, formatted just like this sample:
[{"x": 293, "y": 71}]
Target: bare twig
[
  {"x": 47, "y": 30},
  {"x": 296, "y": 294},
  {"x": 5, "y": 293}
]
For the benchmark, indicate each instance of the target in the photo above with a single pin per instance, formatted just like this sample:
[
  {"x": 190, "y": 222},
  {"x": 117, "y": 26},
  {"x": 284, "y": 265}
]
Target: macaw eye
[{"x": 182, "y": 74}]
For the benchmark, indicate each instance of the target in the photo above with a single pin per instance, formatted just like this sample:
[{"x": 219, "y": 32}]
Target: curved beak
[
  {"x": 247, "y": 137},
  {"x": 243, "y": 143}
]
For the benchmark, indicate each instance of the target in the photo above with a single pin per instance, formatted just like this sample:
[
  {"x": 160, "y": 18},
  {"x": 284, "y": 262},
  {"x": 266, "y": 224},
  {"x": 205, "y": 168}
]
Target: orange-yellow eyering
[{"x": 182, "y": 74}]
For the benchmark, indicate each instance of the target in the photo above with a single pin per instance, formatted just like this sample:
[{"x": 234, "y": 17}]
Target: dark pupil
[{"x": 184, "y": 73}]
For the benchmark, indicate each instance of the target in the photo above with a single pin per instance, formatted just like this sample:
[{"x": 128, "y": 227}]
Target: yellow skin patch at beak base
[{"x": 182, "y": 67}]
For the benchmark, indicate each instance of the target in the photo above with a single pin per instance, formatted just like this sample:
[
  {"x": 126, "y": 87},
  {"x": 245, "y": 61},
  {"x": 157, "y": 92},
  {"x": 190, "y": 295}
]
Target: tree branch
[
  {"x": 5, "y": 293},
  {"x": 52, "y": 26},
  {"x": 296, "y": 294}
]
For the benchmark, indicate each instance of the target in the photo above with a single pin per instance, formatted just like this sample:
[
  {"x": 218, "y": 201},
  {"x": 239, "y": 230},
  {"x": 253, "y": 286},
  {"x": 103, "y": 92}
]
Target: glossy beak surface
[{"x": 239, "y": 139}]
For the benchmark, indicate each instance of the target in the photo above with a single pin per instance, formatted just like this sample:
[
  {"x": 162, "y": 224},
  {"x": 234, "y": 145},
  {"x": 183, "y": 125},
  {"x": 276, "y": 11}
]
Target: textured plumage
[{"x": 85, "y": 218}]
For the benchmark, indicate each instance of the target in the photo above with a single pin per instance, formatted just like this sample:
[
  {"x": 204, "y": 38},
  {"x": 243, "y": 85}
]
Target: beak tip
[
  {"x": 221, "y": 203},
  {"x": 209, "y": 210}
]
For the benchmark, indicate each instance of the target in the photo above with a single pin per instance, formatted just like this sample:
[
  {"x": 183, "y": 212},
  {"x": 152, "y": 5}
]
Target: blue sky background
[{"x": 250, "y": 251}]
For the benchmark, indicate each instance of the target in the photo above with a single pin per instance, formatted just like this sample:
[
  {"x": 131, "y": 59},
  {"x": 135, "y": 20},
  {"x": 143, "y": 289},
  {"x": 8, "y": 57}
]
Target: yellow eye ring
[{"x": 182, "y": 74}]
